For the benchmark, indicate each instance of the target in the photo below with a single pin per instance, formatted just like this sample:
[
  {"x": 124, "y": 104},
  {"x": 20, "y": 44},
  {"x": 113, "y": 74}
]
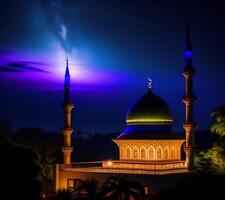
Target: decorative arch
[
  {"x": 128, "y": 152},
  {"x": 135, "y": 152},
  {"x": 159, "y": 153},
  {"x": 166, "y": 153},
  {"x": 143, "y": 154},
  {"x": 172, "y": 153},
  {"x": 151, "y": 153}
]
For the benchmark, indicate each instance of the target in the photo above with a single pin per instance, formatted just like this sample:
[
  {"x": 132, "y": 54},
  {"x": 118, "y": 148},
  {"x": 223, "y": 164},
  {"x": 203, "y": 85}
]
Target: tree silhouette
[
  {"x": 122, "y": 188},
  {"x": 63, "y": 194},
  {"x": 47, "y": 175},
  {"x": 88, "y": 190}
]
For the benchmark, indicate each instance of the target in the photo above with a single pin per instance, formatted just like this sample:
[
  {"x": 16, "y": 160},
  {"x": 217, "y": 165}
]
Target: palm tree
[
  {"x": 88, "y": 190},
  {"x": 63, "y": 194},
  {"x": 219, "y": 126},
  {"x": 121, "y": 188},
  {"x": 47, "y": 172},
  {"x": 212, "y": 160}
]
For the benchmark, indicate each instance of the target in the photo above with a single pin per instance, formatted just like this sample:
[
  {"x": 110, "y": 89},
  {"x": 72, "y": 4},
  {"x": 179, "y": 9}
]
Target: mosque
[{"x": 148, "y": 149}]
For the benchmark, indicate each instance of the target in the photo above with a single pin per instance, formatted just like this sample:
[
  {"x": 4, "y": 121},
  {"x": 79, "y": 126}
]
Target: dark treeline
[{"x": 87, "y": 146}]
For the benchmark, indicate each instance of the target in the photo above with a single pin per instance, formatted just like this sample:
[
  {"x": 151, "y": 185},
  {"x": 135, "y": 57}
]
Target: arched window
[
  {"x": 159, "y": 153},
  {"x": 143, "y": 153},
  {"x": 166, "y": 153},
  {"x": 151, "y": 153},
  {"x": 128, "y": 152},
  {"x": 172, "y": 153},
  {"x": 135, "y": 152}
]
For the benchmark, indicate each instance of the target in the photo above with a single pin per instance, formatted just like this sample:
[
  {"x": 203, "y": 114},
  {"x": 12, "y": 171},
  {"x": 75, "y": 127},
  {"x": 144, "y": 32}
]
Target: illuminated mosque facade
[{"x": 147, "y": 147}]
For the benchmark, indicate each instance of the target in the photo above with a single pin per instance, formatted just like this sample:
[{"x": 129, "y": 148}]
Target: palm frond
[{"x": 218, "y": 128}]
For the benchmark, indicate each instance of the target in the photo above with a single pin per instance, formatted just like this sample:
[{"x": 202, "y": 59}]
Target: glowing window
[
  {"x": 172, "y": 153},
  {"x": 128, "y": 152},
  {"x": 143, "y": 153},
  {"x": 166, "y": 153},
  {"x": 73, "y": 183},
  {"x": 135, "y": 153},
  {"x": 151, "y": 153},
  {"x": 70, "y": 183},
  {"x": 159, "y": 153}
]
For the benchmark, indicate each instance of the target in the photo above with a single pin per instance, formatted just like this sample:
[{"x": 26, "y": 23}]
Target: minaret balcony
[
  {"x": 68, "y": 107},
  {"x": 67, "y": 150},
  {"x": 67, "y": 131},
  {"x": 189, "y": 125},
  {"x": 189, "y": 99},
  {"x": 188, "y": 72},
  {"x": 70, "y": 103}
]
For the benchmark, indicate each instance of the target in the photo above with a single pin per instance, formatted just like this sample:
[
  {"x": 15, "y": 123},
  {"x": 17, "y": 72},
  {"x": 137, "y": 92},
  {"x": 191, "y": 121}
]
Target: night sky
[{"x": 113, "y": 46}]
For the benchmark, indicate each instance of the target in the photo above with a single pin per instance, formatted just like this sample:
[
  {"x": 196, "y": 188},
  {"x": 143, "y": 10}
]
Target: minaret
[
  {"x": 67, "y": 130},
  {"x": 188, "y": 100}
]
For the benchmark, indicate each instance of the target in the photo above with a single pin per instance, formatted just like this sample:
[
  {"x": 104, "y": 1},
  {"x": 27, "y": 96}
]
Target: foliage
[
  {"x": 88, "y": 190},
  {"x": 63, "y": 194},
  {"x": 212, "y": 160},
  {"x": 219, "y": 126},
  {"x": 203, "y": 163},
  {"x": 216, "y": 155},
  {"x": 122, "y": 188},
  {"x": 114, "y": 188},
  {"x": 47, "y": 175}
]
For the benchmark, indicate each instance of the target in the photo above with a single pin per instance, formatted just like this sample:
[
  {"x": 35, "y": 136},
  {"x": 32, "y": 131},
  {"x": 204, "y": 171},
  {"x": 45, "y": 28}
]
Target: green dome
[{"x": 149, "y": 110}]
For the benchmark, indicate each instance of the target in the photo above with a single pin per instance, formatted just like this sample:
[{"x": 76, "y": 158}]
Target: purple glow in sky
[{"x": 45, "y": 70}]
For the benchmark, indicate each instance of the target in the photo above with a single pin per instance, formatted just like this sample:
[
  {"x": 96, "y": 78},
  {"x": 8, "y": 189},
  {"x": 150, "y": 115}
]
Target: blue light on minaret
[
  {"x": 67, "y": 74},
  {"x": 188, "y": 54},
  {"x": 67, "y": 83}
]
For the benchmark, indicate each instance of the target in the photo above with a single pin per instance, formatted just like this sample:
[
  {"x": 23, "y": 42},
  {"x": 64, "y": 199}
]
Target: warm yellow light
[
  {"x": 149, "y": 120},
  {"x": 109, "y": 163}
]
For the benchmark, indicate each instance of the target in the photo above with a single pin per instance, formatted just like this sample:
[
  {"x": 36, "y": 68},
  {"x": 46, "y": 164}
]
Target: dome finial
[{"x": 149, "y": 83}]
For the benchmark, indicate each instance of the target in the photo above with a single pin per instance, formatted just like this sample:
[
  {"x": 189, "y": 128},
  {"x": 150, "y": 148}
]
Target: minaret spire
[
  {"x": 188, "y": 52},
  {"x": 67, "y": 130},
  {"x": 188, "y": 100},
  {"x": 188, "y": 38},
  {"x": 67, "y": 73}
]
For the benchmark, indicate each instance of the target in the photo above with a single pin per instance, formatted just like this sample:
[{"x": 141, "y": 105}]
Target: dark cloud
[
  {"x": 22, "y": 67},
  {"x": 8, "y": 69}
]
